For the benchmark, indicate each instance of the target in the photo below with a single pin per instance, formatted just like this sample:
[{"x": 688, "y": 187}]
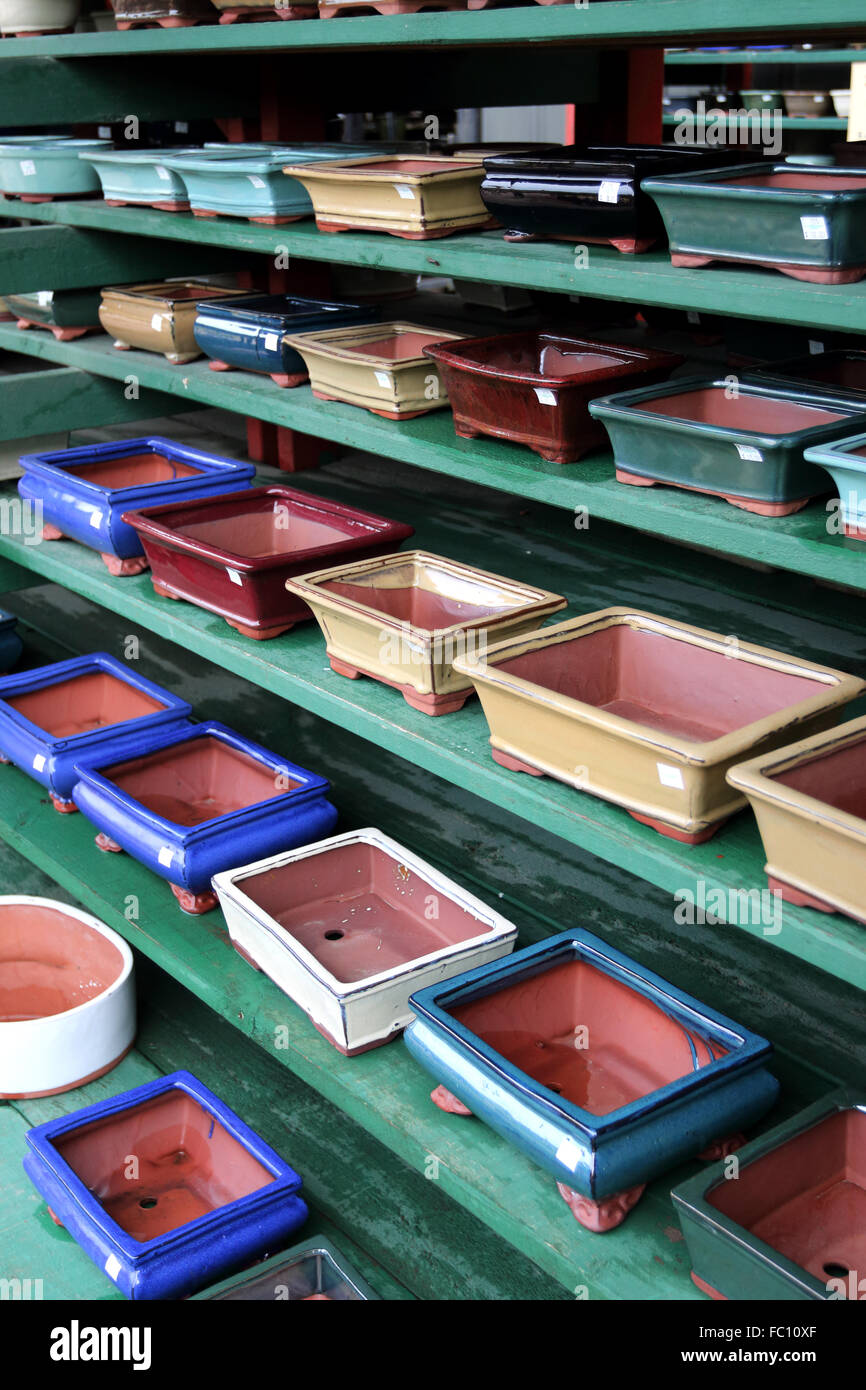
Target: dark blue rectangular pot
[
  {"x": 249, "y": 332},
  {"x": 84, "y": 491},
  {"x": 11, "y": 645},
  {"x": 231, "y": 1197},
  {"x": 189, "y": 809},
  {"x": 672, "y": 1078},
  {"x": 49, "y": 756}
]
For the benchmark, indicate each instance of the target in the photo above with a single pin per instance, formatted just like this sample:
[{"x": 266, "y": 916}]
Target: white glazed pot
[{"x": 37, "y": 16}]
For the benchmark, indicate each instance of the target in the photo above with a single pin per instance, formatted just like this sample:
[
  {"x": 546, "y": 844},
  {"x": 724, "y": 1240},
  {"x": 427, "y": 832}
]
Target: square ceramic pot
[
  {"x": 411, "y": 196},
  {"x": 205, "y": 1197},
  {"x": 68, "y": 314},
  {"x": 67, "y": 998},
  {"x": 138, "y": 178},
  {"x": 534, "y": 388},
  {"x": 845, "y": 461},
  {"x": 11, "y": 645},
  {"x": 84, "y": 492},
  {"x": 381, "y": 367},
  {"x": 46, "y": 169},
  {"x": 191, "y": 802},
  {"x": 809, "y": 223},
  {"x": 807, "y": 104},
  {"x": 646, "y": 712},
  {"x": 315, "y": 1272},
  {"x": 745, "y": 445},
  {"x": 233, "y": 554},
  {"x": 603, "y": 1073},
  {"x": 53, "y": 716},
  {"x": 345, "y": 929},
  {"x": 793, "y": 1224},
  {"x": 168, "y": 14},
  {"x": 233, "y": 10},
  {"x": 158, "y": 317},
  {"x": 27, "y": 18},
  {"x": 247, "y": 180},
  {"x": 250, "y": 332},
  {"x": 405, "y": 620}
]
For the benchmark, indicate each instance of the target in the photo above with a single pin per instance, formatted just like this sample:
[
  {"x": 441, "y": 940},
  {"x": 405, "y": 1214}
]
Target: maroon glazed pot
[
  {"x": 534, "y": 388},
  {"x": 233, "y": 553}
]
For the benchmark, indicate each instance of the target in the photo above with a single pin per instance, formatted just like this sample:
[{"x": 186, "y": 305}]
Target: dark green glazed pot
[{"x": 61, "y": 310}]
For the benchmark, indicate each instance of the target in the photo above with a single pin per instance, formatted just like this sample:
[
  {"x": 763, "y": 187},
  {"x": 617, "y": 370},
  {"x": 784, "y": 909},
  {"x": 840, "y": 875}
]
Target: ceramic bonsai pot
[
  {"x": 331, "y": 9},
  {"x": 405, "y": 619},
  {"x": 841, "y": 371},
  {"x": 11, "y": 645},
  {"x": 343, "y": 927},
  {"x": 600, "y": 1071},
  {"x": 168, "y": 14},
  {"x": 313, "y": 1272},
  {"x": 27, "y": 18},
  {"x": 68, "y": 314},
  {"x": 380, "y": 366},
  {"x": 207, "y": 1195},
  {"x": 646, "y": 712},
  {"x": 138, "y": 178},
  {"x": 807, "y": 103},
  {"x": 841, "y": 101},
  {"x": 845, "y": 461},
  {"x": 793, "y": 1225},
  {"x": 411, "y": 196},
  {"x": 85, "y": 491},
  {"x": 233, "y": 554},
  {"x": 194, "y": 801},
  {"x": 52, "y": 716},
  {"x": 158, "y": 317},
  {"x": 745, "y": 445},
  {"x": 249, "y": 332},
  {"x": 534, "y": 388},
  {"x": 757, "y": 99},
  {"x": 807, "y": 222},
  {"x": 248, "y": 180},
  {"x": 67, "y": 998},
  {"x": 44, "y": 170},
  {"x": 233, "y": 10}
]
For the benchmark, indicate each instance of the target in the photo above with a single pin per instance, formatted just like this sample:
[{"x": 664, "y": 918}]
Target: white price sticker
[
  {"x": 815, "y": 228},
  {"x": 166, "y": 857},
  {"x": 44, "y": 298},
  {"x": 608, "y": 191},
  {"x": 96, "y": 519},
  {"x": 235, "y": 576},
  {"x": 692, "y": 316},
  {"x": 256, "y": 181},
  {"x": 27, "y": 167},
  {"x": 545, "y": 396},
  {"x": 384, "y": 379},
  {"x": 112, "y": 1267},
  {"x": 163, "y": 173},
  {"x": 156, "y": 323},
  {"x": 104, "y": 132},
  {"x": 815, "y": 347},
  {"x": 404, "y": 190},
  {"x": 568, "y": 1154},
  {"x": 748, "y": 451},
  {"x": 272, "y": 342},
  {"x": 670, "y": 776},
  {"x": 182, "y": 127},
  {"x": 39, "y": 762}
]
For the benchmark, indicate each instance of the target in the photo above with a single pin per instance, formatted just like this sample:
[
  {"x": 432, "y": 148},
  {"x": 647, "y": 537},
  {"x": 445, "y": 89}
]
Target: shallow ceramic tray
[
  {"x": 159, "y": 317},
  {"x": 68, "y": 314},
  {"x": 192, "y": 802},
  {"x": 809, "y": 223},
  {"x": 11, "y": 645},
  {"x": 233, "y": 554},
  {"x": 344, "y": 928},
  {"x": 404, "y": 620},
  {"x": 534, "y": 388},
  {"x": 646, "y": 712},
  {"x": 250, "y": 332},
  {"x": 208, "y": 1196},
  {"x": 845, "y": 461},
  {"x": 315, "y": 1272},
  {"x": 168, "y": 14},
  {"x": 793, "y": 1224},
  {"x": 744, "y": 445},
  {"x": 411, "y": 196},
  {"x": 28, "y": 18},
  {"x": 138, "y": 178},
  {"x": 84, "y": 492},
  {"x": 67, "y": 998},
  {"x": 48, "y": 169},
  {"x": 380, "y": 366},
  {"x": 248, "y": 181},
  {"x": 600, "y": 1071}
]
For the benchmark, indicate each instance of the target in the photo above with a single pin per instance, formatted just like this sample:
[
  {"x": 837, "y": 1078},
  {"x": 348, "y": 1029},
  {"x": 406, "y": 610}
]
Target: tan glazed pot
[
  {"x": 380, "y": 366},
  {"x": 158, "y": 317},
  {"x": 404, "y": 194}
]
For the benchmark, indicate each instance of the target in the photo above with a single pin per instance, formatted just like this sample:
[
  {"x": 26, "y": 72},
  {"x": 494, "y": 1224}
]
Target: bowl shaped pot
[
  {"x": 45, "y": 170},
  {"x": 11, "y": 645},
  {"x": 411, "y": 196},
  {"x": 382, "y": 367},
  {"x": 31, "y": 17},
  {"x": 845, "y": 461},
  {"x": 807, "y": 103},
  {"x": 138, "y": 178},
  {"x": 250, "y": 332},
  {"x": 315, "y": 1271},
  {"x": 158, "y": 317}
]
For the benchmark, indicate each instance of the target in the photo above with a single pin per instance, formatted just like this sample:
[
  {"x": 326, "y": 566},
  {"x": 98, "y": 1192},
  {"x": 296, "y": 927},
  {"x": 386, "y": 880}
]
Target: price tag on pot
[
  {"x": 256, "y": 181},
  {"x": 568, "y": 1154},
  {"x": 95, "y": 519},
  {"x": 692, "y": 316},
  {"x": 27, "y": 167},
  {"x": 608, "y": 191},
  {"x": 44, "y": 298},
  {"x": 235, "y": 576},
  {"x": 112, "y": 1267},
  {"x": 404, "y": 190},
  {"x": 166, "y": 857},
  {"x": 545, "y": 396},
  {"x": 156, "y": 323},
  {"x": 104, "y": 132},
  {"x": 748, "y": 451},
  {"x": 39, "y": 762},
  {"x": 815, "y": 347},
  {"x": 163, "y": 173},
  {"x": 384, "y": 379},
  {"x": 272, "y": 342},
  {"x": 670, "y": 776},
  {"x": 815, "y": 228}
]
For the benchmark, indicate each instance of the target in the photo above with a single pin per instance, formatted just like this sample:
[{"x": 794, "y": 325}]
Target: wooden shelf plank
[{"x": 692, "y": 58}]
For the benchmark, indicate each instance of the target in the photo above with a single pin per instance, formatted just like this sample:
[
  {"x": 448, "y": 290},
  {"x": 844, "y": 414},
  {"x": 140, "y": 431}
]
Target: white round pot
[
  {"x": 67, "y": 997},
  {"x": 37, "y": 16}
]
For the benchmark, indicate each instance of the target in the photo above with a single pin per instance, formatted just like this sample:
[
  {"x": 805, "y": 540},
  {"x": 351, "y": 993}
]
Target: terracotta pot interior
[
  {"x": 807, "y": 1198},
  {"x": 161, "y": 1164},
  {"x": 412, "y": 166},
  {"x": 395, "y": 347},
  {"x": 802, "y": 180},
  {"x": 360, "y": 912},
  {"x": 586, "y": 1036},
  {"x": 538, "y": 354},
  {"x": 307, "y": 1276},
  {"x": 132, "y": 470},
  {"x": 662, "y": 682},
  {"x": 763, "y": 414},
  {"x": 859, "y": 452},
  {"x": 170, "y": 293},
  {"x": 50, "y": 962},
  {"x": 265, "y": 525},
  {"x": 844, "y": 370},
  {"x": 421, "y": 595},
  {"x": 195, "y": 781},
  {"x": 94, "y": 700},
  {"x": 838, "y": 779}
]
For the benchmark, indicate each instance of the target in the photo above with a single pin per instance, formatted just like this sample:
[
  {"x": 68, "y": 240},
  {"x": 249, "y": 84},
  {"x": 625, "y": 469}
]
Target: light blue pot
[
  {"x": 249, "y": 182},
  {"x": 845, "y": 461},
  {"x": 48, "y": 169},
  {"x": 139, "y": 177}
]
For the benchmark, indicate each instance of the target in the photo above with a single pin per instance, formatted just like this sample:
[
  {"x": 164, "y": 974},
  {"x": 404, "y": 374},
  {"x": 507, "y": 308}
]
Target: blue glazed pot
[
  {"x": 139, "y": 177},
  {"x": 602, "y": 1073},
  {"x": 845, "y": 461},
  {"x": 250, "y": 183},
  {"x": 249, "y": 332},
  {"x": 85, "y": 491},
  {"x": 89, "y": 705},
  {"x": 194, "y": 801},
  {"x": 11, "y": 645},
  {"x": 314, "y": 1270},
  {"x": 207, "y": 1195},
  {"x": 48, "y": 169}
]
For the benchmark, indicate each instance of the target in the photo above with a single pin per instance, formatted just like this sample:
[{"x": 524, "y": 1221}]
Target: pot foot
[
  {"x": 796, "y": 896},
  {"x": 107, "y": 845},
  {"x": 684, "y": 837},
  {"x": 194, "y": 903},
  {"x": 6, "y": 761},
  {"x": 55, "y": 1218},
  {"x": 135, "y": 564},
  {"x": 444, "y": 1099},
  {"x": 66, "y": 808},
  {"x": 163, "y": 591},
  {"x": 120, "y": 346},
  {"x": 706, "y": 1288},
  {"x": 514, "y": 764},
  {"x": 634, "y": 479},
  {"x": 722, "y": 1148},
  {"x": 259, "y": 634},
  {"x": 434, "y": 704},
  {"x": 180, "y": 359},
  {"x": 343, "y": 668},
  {"x": 600, "y": 1216},
  {"x": 632, "y": 246},
  {"x": 812, "y": 275},
  {"x": 50, "y": 532},
  {"x": 289, "y": 379},
  {"x": 215, "y": 365}
]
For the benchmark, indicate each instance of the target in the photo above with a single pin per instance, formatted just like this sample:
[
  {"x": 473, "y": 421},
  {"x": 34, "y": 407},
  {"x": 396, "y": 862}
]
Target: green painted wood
[
  {"x": 64, "y": 398},
  {"x": 63, "y": 258},
  {"x": 820, "y": 56},
  {"x": 804, "y": 123},
  {"x": 14, "y": 577}
]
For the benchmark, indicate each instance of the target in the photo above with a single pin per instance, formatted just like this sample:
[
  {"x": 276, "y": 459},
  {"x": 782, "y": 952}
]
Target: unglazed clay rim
[
  {"x": 500, "y": 928},
  {"x": 326, "y": 343}
]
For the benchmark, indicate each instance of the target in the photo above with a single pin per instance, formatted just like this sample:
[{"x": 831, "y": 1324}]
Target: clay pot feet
[
  {"x": 216, "y": 365},
  {"x": 120, "y": 346},
  {"x": 429, "y": 234},
  {"x": 136, "y": 564},
  {"x": 55, "y": 1218},
  {"x": 259, "y": 634},
  {"x": 600, "y": 1216},
  {"x": 428, "y": 704},
  {"x": 746, "y": 504},
  {"x": 706, "y": 1288},
  {"x": 383, "y": 414},
  {"x": 722, "y": 1148},
  {"x": 123, "y": 24},
  {"x": 813, "y": 275},
  {"x": 289, "y": 379},
  {"x": 107, "y": 845},
  {"x": 671, "y": 832},
  {"x": 163, "y": 591},
  {"x": 63, "y": 335},
  {"x": 159, "y": 207},
  {"x": 51, "y": 532},
  {"x": 180, "y": 359},
  {"x": 66, "y": 808},
  {"x": 514, "y": 764},
  {"x": 194, "y": 903},
  {"x": 443, "y": 1098},
  {"x": 796, "y": 896}
]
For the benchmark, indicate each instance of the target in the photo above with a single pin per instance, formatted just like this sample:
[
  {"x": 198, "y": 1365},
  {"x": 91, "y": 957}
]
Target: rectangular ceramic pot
[
  {"x": 138, "y": 178},
  {"x": 250, "y": 332},
  {"x": 405, "y": 620},
  {"x": 841, "y": 371},
  {"x": 603, "y": 1073},
  {"x": 46, "y": 169},
  {"x": 646, "y": 712},
  {"x": 534, "y": 388},
  {"x": 194, "y": 801},
  {"x": 168, "y": 14},
  {"x": 315, "y": 1272},
  {"x": 807, "y": 103},
  {"x": 52, "y": 716},
  {"x": 233, "y": 554},
  {"x": 85, "y": 491},
  {"x": 233, "y": 10},
  {"x": 208, "y": 1197},
  {"x": 746, "y": 446},
  {"x": 380, "y": 366},
  {"x": 793, "y": 1224},
  {"x": 68, "y": 314},
  {"x": 845, "y": 461},
  {"x": 411, "y": 196},
  {"x": 11, "y": 645},
  {"x": 248, "y": 181},
  {"x": 344, "y": 928},
  {"x": 27, "y": 18},
  {"x": 158, "y": 317},
  {"x": 809, "y": 223}
]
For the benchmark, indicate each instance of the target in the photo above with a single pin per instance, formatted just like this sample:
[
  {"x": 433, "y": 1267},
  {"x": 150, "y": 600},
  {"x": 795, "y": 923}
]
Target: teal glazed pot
[
  {"x": 315, "y": 1272},
  {"x": 748, "y": 448},
  {"x": 793, "y": 1224},
  {"x": 39, "y": 172},
  {"x": 223, "y": 182},
  {"x": 67, "y": 314},
  {"x": 139, "y": 178},
  {"x": 845, "y": 461},
  {"x": 806, "y": 222}
]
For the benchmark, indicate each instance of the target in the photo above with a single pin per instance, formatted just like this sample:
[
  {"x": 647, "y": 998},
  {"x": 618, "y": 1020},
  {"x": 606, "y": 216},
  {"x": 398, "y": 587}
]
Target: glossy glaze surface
[
  {"x": 382, "y": 367},
  {"x": 403, "y": 195},
  {"x": 314, "y": 1270},
  {"x": 159, "y": 317},
  {"x": 250, "y": 332}
]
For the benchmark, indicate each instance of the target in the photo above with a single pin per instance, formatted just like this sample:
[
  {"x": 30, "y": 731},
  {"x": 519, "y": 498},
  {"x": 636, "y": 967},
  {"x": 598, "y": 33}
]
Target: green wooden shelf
[
  {"x": 691, "y": 58},
  {"x": 782, "y": 122}
]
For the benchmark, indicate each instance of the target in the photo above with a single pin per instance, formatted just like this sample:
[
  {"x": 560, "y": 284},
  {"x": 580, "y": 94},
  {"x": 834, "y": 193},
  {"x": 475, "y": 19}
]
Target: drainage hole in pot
[
  {"x": 557, "y": 1089},
  {"x": 334, "y": 935},
  {"x": 148, "y": 1202},
  {"x": 836, "y": 1271}
]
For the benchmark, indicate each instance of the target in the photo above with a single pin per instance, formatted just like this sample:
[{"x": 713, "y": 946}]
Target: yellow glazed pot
[
  {"x": 158, "y": 317},
  {"x": 380, "y": 366},
  {"x": 405, "y": 194}
]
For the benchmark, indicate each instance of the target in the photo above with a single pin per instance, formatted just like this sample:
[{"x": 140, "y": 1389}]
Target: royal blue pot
[
  {"x": 84, "y": 491},
  {"x": 11, "y": 645},
  {"x": 249, "y": 332},
  {"x": 187, "y": 1192},
  {"x": 88, "y": 706}
]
